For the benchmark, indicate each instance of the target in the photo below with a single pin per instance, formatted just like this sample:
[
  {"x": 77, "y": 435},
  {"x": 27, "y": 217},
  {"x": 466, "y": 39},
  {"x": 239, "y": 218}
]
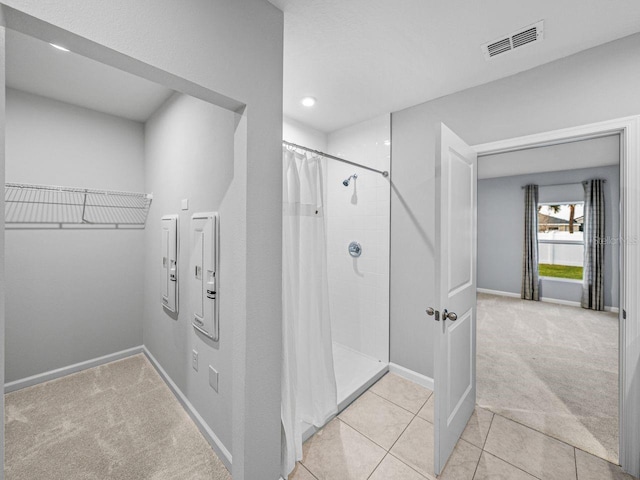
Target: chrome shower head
[{"x": 348, "y": 180}]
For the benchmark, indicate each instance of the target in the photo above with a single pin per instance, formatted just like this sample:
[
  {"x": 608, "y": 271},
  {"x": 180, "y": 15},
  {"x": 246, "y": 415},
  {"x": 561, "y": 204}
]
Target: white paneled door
[{"x": 455, "y": 333}]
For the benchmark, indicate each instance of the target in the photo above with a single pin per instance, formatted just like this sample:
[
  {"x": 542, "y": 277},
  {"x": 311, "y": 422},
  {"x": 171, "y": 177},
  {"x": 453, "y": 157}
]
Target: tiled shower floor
[{"x": 355, "y": 372}]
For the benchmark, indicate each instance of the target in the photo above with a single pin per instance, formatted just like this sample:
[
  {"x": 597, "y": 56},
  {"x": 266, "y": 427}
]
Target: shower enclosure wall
[
  {"x": 335, "y": 273},
  {"x": 359, "y": 286},
  {"x": 356, "y": 210}
]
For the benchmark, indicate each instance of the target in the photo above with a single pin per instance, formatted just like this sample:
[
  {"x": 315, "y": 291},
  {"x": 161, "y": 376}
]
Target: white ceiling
[
  {"x": 363, "y": 58},
  {"x": 36, "y": 67}
]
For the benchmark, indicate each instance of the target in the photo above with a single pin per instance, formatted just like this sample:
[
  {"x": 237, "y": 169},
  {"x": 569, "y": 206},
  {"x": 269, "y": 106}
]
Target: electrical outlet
[
  {"x": 194, "y": 360},
  {"x": 213, "y": 378}
]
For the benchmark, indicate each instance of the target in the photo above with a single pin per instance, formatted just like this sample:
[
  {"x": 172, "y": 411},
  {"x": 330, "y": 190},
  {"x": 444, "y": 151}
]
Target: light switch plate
[
  {"x": 213, "y": 378},
  {"x": 185, "y": 204}
]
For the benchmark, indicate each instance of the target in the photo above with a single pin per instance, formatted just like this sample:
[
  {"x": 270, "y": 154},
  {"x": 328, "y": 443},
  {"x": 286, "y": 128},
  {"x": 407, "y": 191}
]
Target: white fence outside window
[{"x": 561, "y": 248}]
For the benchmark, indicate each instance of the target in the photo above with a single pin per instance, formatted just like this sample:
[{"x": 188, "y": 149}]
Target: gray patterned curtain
[
  {"x": 530, "y": 285},
  {"x": 593, "y": 287}
]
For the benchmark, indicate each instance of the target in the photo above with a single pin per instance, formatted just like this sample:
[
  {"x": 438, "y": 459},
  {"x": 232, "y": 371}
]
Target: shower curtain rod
[
  {"x": 326, "y": 155},
  {"x": 562, "y": 184}
]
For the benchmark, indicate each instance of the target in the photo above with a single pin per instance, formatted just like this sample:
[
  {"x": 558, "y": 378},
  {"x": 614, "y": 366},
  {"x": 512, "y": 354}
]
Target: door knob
[{"x": 450, "y": 315}]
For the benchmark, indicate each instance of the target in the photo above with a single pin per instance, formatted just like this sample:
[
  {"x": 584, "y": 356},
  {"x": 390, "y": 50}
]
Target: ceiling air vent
[
  {"x": 519, "y": 38},
  {"x": 501, "y": 46}
]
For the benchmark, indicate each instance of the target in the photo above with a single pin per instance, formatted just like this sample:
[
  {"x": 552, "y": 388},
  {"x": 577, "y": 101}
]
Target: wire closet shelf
[{"x": 53, "y": 205}]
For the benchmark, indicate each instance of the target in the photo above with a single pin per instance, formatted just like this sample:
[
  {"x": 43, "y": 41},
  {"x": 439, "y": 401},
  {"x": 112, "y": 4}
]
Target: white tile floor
[{"x": 387, "y": 434}]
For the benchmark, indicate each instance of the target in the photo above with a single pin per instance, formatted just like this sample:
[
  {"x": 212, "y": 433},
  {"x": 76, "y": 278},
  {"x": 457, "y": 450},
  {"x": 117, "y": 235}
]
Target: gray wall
[
  {"x": 72, "y": 295},
  {"x": 223, "y": 46},
  {"x": 501, "y": 231},
  {"x": 594, "y": 85},
  {"x": 189, "y": 154}
]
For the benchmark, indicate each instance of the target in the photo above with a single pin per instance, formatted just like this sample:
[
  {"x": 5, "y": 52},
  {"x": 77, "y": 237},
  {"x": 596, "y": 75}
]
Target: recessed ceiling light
[
  {"x": 59, "y": 47},
  {"x": 308, "y": 101}
]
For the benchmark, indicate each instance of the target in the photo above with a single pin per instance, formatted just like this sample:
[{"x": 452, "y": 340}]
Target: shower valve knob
[{"x": 355, "y": 249}]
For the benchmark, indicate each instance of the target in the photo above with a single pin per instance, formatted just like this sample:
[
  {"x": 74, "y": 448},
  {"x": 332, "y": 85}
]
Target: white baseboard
[
  {"x": 77, "y": 367},
  {"x": 415, "y": 377},
  {"x": 206, "y": 431},
  {"x": 542, "y": 299},
  {"x": 498, "y": 292}
]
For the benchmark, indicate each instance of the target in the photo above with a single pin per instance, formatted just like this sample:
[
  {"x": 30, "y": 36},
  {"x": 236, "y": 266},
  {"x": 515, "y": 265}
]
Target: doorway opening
[
  {"x": 626, "y": 128},
  {"x": 550, "y": 364},
  {"x": 98, "y": 346}
]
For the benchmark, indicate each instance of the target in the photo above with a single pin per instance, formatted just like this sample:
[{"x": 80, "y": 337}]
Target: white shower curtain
[{"x": 308, "y": 378}]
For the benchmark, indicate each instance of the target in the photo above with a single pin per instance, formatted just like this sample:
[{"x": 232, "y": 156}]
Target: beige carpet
[
  {"x": 551, "y": 367},
  {"x": 117, "y": 421}
]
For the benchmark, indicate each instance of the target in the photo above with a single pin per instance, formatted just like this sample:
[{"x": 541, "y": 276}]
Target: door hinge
[{"x": 624, "y": 314}]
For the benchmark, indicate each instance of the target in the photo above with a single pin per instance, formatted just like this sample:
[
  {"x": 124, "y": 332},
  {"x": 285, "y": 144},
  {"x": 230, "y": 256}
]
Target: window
[{"x": 560, "y": 240}]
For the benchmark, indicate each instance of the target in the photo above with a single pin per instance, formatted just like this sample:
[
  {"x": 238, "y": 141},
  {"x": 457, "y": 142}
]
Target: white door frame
[{"x": 629, "y": 343}]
